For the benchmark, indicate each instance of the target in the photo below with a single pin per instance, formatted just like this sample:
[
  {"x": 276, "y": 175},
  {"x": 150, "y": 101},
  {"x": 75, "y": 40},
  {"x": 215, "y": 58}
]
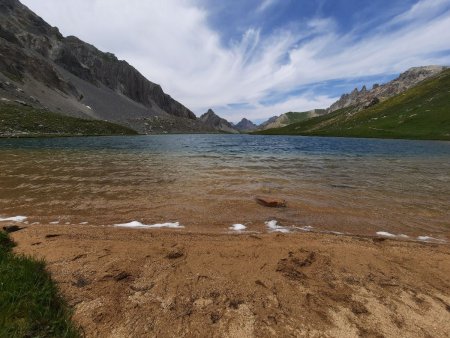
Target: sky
[{"x": 260, "y": 58}]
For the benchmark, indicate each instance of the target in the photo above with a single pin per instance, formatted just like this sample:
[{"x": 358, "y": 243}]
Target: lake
[{"x": 207, "y": 183}]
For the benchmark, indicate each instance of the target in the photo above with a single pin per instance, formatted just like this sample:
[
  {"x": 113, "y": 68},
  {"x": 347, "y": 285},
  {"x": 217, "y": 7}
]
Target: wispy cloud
[
  {"x": 265, "y": 4},
  {"x": 172, "y": 43}
]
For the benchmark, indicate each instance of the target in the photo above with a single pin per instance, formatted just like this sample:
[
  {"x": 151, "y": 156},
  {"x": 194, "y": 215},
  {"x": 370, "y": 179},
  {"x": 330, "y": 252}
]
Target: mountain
[
  {"x": 71, "y": 77},
  {"x": 217, "y": 123},
  {"x": 379, "y": 93},
  {"x": 245, "y": 125},
  {"x": 362, "y": 99},
  {"x": 420, "y": 112},
  {"x": 289, "y": 118}
]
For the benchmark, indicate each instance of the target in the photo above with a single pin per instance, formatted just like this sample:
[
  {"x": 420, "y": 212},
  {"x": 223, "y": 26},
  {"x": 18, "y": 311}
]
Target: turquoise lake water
[{"x": 208, "y": 182}]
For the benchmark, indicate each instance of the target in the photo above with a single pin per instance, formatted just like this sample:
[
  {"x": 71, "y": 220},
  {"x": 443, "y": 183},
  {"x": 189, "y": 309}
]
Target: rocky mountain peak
[
  {"x": 415, "y": 74},
  {"x": 366, "y": 98},
  {"x": 209, "y": 115},
  {"x": 211, "y": 119},
  {"x": 245, "y": 125}
]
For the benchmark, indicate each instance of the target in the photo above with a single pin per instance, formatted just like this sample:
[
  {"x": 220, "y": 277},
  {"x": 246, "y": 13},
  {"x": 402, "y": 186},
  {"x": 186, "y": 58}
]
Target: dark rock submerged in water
[{"x": 271, "y": 202}]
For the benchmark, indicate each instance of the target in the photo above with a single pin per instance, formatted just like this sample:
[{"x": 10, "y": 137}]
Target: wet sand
[{"x": 156, "y": 283}]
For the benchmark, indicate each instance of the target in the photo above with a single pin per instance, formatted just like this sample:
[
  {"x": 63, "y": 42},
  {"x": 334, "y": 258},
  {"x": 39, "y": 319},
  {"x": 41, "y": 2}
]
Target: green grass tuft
[{"x": 30, "y": 305}]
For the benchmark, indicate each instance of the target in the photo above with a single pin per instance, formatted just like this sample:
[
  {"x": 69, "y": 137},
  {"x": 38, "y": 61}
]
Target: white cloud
[
  {"x": 171, "y": 43},
  {"x": 423, "y": 9},
  {"x": 265, "y": 4}
]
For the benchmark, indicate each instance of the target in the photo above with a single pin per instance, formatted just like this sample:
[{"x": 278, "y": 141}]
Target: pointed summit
[
  {"x": 245, "y": 125},
  {"x": 216, "y": 122}
]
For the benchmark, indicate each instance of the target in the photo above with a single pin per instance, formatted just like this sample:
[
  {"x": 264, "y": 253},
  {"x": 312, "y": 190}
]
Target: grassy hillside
[
  {"x": 422, "y": 112},
  {"x": 290, "y": 118},
  {"x": 294, "y": 117},
  {"x": 18, "y": 120},
  {"x": 30, "y": 304}
]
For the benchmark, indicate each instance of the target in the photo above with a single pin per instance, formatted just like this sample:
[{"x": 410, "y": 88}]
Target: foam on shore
[
  {"x": 238, "y": 227},
  {"x": 306, "y": 228},
  {"x": 136, "y": 224},
  {"x": 429, "y": 239},
  {"x": 274, "y": 227},
  {"x": 388, "y": 234},
  {"x": 419, "y": 238},
  {"x": 13, "y": 219},
  {"x": 334, "y": 232}
]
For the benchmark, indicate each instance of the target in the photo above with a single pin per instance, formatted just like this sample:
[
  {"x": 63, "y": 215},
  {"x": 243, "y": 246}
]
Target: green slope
[
  {"x": 295, "y": 117},
  {"x": 303, "y": 116},
  {"x": 30, "y": 302},
  {"x": 422, "y": 112},
  {"x": 25, "y": 121}
]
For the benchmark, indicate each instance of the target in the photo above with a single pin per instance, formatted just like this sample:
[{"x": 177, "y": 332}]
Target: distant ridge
[
  {"x": 420, "y": 112},
  {"x": 379, "y": 93},
  {"x": 360, "y": 99}
]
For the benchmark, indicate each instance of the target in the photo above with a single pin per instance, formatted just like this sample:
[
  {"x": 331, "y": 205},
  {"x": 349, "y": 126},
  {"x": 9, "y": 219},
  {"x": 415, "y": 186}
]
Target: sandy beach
[
  {"x": 157, "y": 283},
  {"x": 224, "y": 169}
]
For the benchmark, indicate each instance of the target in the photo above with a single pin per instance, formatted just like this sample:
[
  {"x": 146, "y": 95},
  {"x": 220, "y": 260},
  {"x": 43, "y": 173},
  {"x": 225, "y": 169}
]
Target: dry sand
[{"x": 147, "y": 283}]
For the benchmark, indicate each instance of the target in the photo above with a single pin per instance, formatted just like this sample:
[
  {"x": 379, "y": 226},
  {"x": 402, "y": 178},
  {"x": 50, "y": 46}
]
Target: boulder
[{"x": 271, "y": 202}]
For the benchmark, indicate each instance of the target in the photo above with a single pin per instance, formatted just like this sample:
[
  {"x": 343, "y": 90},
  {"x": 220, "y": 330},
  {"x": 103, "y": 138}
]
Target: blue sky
[{"x": 259, "y": 58}]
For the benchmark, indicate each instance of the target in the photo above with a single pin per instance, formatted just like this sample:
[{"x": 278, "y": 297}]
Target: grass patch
[
  {"x": 29, "y": 302},
  {"x": 17, "y": 120},
  {"x": 294, "y": 117},
  {"x": 422, "y": 112}
]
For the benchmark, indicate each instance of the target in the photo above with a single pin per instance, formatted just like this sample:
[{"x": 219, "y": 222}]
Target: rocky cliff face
[
  {"x": 217, "y": 123},
  {"x": 68, "y": 75},
  {"x": 92, "y": 65},
  {"x": 366, "y": 98},
  {"x": 245, "y": 125}
]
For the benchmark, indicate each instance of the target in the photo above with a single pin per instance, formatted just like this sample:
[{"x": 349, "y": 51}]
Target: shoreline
[
  {"x": 51, "y": 136},
  {"x": 176, "y": 283},
  {"x": 229, "y": 230}
]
